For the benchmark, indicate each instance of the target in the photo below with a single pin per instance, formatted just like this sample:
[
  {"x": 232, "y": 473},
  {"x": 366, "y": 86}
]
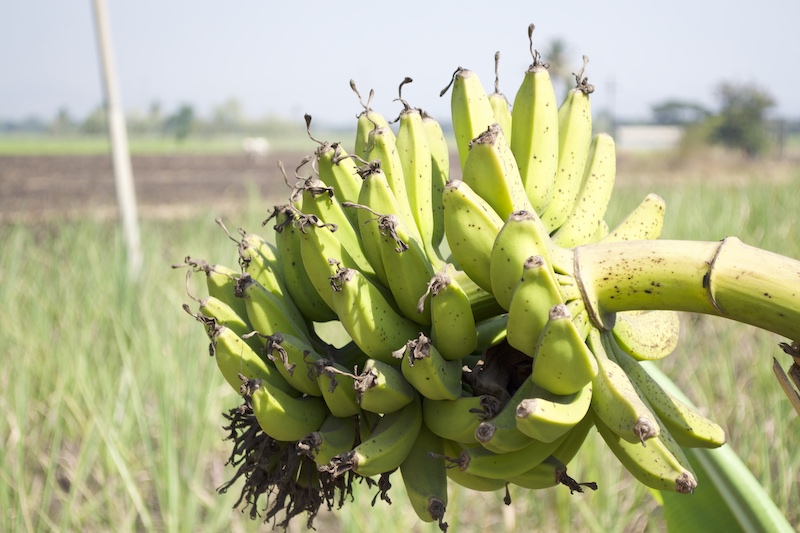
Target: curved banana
[
  {"x": 295, "y": 359},
  {"x": 337, "y": 385},
  {"x": 471, "y": 226},
  {"x": 491, "y": 171},
  {"x": 434, "y": 377},
  {"x": 282, "y": 416},
  {"x": 457, "y": 419},
  {"x": 479, "y": 461},
  {"x": 471, "y": 112},
  {"x": 236, "y": 359},
  {"x": 535, "y": 142},
  {"x": 440, "y": 173},
  {"x": 597, "y": 185},
  {"x": 425, "y": 479},
  {"x": 368, "y": 317},
  {"x": 382, "y": 388},
  {"x": 574, "y": 136},
  {"x": 469, "y": 481},
  {"x": 220, "y": 283},
  {"x": 522, "y": 236},
  {"x": 647, "y": 335},
  {"x": 546, "y": 416},
  {"x": 500, "y": 434},
  {"x": 387, "y": 447},
  {"x": 562, "y": 364},
  {"x": 415, "y": 159},
  {"x": 500, "y": 105},
  {"x": 535, "y": 295},
  {"x": 644, "y": 223},
  {"x": 453, "y": 329},
  {"x": 658, "y": 465},
  {"x": 267, "y": 312},
  {"x": 226, "y": 316},
  {"x": 368, "y": 120},
  {"x": 336, "y": 435},
  {"x": 408, "y": 269},
  {"x": 383, "y": 148},
  {"x": 687, "y": 426},
  {"x": 301, "y": 290},
  {"x": 615, "y": 399}
]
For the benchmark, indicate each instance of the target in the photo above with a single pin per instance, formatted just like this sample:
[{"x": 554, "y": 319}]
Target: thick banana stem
[{"x": 726, "y": 278}]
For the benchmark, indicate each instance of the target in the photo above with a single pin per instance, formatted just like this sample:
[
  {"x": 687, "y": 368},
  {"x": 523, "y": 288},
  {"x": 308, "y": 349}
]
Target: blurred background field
[{"x": 111, "y": 407}]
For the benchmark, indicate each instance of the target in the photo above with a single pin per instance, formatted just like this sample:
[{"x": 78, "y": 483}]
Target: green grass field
[{"x": 110, "y": 411}]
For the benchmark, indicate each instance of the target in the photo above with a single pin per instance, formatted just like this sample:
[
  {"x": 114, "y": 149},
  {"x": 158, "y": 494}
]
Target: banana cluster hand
[{"x": 493, "y": 320}]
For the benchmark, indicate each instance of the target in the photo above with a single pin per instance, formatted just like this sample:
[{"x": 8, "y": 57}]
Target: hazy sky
[{"x": 292, "y": 57}]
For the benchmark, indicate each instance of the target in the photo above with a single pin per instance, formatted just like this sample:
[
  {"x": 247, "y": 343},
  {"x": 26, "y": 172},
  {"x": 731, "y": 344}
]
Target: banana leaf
[{"x": 728, "y": 498}]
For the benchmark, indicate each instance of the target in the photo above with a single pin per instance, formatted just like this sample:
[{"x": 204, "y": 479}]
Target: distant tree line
[
  {"x": 741, "y": 122},
  {"x": 227, "y": 118}
]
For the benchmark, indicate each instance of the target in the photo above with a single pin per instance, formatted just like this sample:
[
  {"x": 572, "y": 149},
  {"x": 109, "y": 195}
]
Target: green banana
[
  {"x": 457, "y": 419},
  {"x": 298, "y": 284},
  {"x": 408, "y": 269},
  {"x": 574, "y": 137},
  {"x": 615, "y": 399},
  {"x": 536, "y": 136},
  {"x": 387, "y": 447},
  {"x": 226, "y": 316},
  {"x": 382, "y": 388},
  {"x": 535, "y": 295},
  {"x": 479, "y": 461},
  {"x": 546, "y": 416},
  {"x": 469, "y": 481},
  {"x": 236, "y": 359},
  {"x": 644, "y": 223},
  {"x": 267, "y": 312},
  {"x": 336, "y": 169},
  {"x": 500, "y": 105},
  {"x": 472, "y": 227},
  {"x": 471, "y": 112},
  {"x": 434, "y": 377},
  {"x": 425, "y": 479},
  {"x": 657, "y": 465},
  {"x": 647, "y": 335},
  {"x": 415, "y": 160},
  {"x": 336, "y": 435},
  {"x": 562, "y": 364},
  {"x": 522, "y": 236},
  {"x": 282, "y": 416},
  {"x": 368, "y": 317},
  {"x": 337, "y": 385},
  {"x": 688, "y": 427},
  {"x": 599, "y": 175},
  {"x": 220, "y": 283},
  {"x": 367, "y": 121},
  {"x": 383, "y": 148},
  {"x": 500, "y": 434},
  {"x": 440, "y": 173},
  {"x": 491, "y": 171},
  {"x": 453, "y": 329},
  {"x": 294, "y": 358}
]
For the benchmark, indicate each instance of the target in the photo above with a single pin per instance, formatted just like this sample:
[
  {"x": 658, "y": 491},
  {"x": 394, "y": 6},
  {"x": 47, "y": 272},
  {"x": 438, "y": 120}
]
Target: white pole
[{"x": 123, "y": 173}]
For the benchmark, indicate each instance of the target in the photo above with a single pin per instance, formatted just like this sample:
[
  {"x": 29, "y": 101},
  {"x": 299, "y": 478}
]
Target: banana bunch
[{"x": 487, "y": 332}]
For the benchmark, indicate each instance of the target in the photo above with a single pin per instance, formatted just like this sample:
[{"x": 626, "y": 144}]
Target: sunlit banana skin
[
  {"x": 456, "y": 420},
  {"x": 424, "y": 477},
  {"x": 647, "y": 336},
  {"x": 574, "y": 132},
  {"x": 616, "y": 401},
  {"x": 283, "y": 417},
  {"x": 295, "y": 359},
  {"x": 440, "y": 173},
  {"x": 471, "y": 111},
  {"x": 645, "y": 222},
  {"x": 593, "y": 197},
  {"x": 387, "y": 447},
  {"x": 453, "y": 328},
  {"x": 434, "y": 377},
  {"x": 529, "y": 311},
  {"x": 472, "y": 227},
  {"x": 339, "y": 171},
  {"x": 382, "y": 388},
  {"x": 688, "y": 427},
  {"x": 267, "y": 312},
  {"x": 522, "y": 236},
  {"x": 337, "y": 385},
  {"x": 501, "y": 108},
  {"x": 546, "y": 416},
  {"x": 535, "y": 140},
  {"x": 368, "y": 317},
  {"x": 226, "y": 316},
  {"x": 500, "y": 434}
]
